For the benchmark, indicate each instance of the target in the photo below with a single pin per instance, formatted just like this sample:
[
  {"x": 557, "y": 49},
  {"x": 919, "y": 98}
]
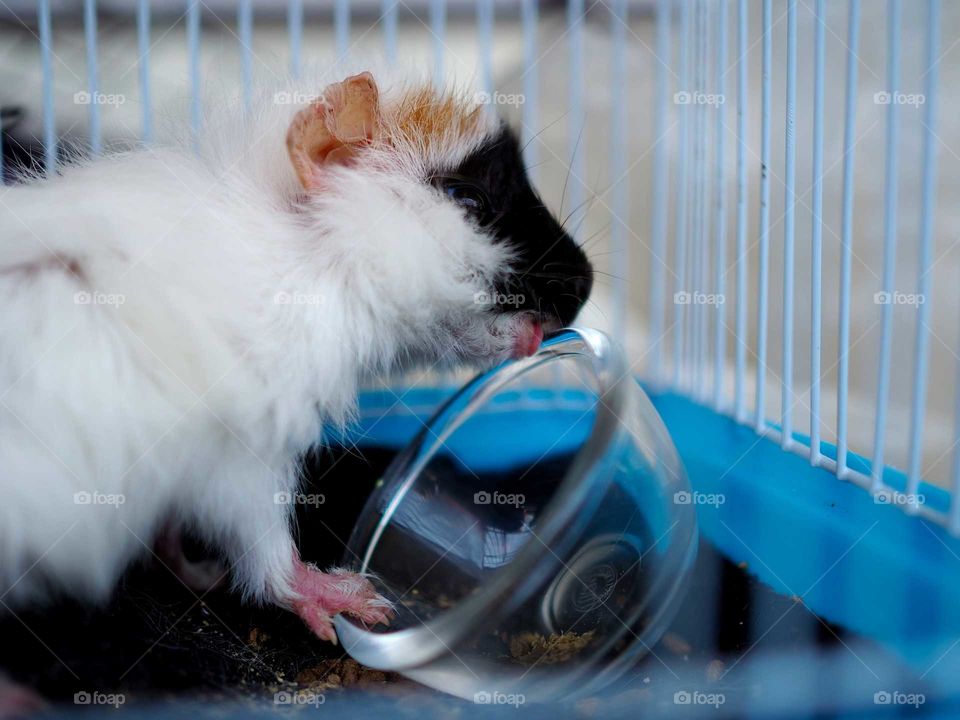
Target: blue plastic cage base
[{"x": 863, "y": 565}]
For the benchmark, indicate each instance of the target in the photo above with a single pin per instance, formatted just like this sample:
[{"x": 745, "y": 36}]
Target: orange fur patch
[{"x": 428, "y": 118}]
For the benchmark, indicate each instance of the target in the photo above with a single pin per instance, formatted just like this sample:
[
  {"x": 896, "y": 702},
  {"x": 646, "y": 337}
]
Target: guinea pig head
[{"x": 423, "y": 194}]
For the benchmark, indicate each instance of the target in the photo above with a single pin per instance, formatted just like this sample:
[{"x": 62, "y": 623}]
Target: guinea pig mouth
[
  {"x": 528, "y": 337},
  {"x": 524, "y": 331}
]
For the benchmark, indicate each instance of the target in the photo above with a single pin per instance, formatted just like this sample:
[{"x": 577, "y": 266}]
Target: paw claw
[{"x": 323, "y": 595}]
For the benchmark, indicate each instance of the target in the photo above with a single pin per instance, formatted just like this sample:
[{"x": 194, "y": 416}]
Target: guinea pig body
[
  {"x": 147, "y": 369},
  {"x": 178, "y": 327}
]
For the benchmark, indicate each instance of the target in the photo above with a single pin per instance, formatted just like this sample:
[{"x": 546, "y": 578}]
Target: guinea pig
[{"x": 179, "y": 324}]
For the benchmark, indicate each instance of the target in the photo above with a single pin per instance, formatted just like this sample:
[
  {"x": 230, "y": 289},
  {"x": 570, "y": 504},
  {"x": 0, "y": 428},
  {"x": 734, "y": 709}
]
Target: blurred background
[{"x": 582, "y": 89}]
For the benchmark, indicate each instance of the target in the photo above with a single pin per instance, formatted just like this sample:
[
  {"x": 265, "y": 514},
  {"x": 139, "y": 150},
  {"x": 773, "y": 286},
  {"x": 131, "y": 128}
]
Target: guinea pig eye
[{"x": 467, "y": 197}]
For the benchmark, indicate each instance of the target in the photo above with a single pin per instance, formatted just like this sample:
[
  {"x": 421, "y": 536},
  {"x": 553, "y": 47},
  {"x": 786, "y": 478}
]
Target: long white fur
[{"x": 230, "y": 318}]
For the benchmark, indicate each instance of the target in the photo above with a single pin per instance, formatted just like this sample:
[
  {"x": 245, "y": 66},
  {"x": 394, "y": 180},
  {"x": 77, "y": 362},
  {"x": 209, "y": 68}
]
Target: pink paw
[{"x": 323, "y": 595}]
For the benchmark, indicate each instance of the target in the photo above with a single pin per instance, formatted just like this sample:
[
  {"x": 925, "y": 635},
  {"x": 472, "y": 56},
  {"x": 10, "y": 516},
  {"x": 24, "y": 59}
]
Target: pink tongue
[{"x": 528, "y": 340}]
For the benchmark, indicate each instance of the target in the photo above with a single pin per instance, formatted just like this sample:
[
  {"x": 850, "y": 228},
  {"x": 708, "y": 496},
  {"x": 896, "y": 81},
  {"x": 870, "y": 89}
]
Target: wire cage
[{"x": 757, "y": 183}]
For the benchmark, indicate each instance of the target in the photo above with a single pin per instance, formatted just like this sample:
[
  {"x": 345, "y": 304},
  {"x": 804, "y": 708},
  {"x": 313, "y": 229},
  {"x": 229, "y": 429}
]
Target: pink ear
[{"x": 334, "y": 128}]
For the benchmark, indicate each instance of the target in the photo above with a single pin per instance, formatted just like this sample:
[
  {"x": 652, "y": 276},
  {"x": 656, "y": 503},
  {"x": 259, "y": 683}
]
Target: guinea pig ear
[{"x": 334, "y": 128}]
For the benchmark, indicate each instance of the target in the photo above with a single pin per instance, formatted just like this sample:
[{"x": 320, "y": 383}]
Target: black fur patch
[{"x": 554, "y": 277}]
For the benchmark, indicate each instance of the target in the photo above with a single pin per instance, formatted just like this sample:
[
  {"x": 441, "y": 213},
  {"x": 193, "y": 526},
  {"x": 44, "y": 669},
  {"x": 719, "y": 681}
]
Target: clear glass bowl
[{"x": 533, "y": 537}]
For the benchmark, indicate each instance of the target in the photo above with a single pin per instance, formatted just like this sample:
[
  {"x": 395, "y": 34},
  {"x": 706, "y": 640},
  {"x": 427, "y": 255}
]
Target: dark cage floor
[{"x": 159, "y": 642}]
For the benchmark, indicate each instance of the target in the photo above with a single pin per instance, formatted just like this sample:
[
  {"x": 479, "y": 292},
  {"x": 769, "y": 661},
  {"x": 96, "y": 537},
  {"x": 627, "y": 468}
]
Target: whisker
[
  {"x": 592, "y": 200},
  {"x": 571, "y": 266},
  {"x": 611, "y": 275},
  {"x": 574, "y": 211},
  {"x": 528, "y": 168},
  {"x": 599, "y": 309},
  {"x": 583, "y": 219},
  {"x": 556, "y": 276},
  {"x": 576, "y": 147},
  {"x": 543, "y": 130},
  {"x": 585, "y": 245}
]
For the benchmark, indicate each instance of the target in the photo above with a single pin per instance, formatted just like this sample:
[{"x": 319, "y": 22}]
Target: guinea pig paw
[
  {"x": 319, "y": 622},
  {"x": 325, "y": 594}
]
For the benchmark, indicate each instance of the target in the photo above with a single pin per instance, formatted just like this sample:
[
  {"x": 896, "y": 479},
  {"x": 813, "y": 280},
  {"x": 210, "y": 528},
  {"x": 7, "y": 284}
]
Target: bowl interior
[{"x": 474, "y": 494}]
